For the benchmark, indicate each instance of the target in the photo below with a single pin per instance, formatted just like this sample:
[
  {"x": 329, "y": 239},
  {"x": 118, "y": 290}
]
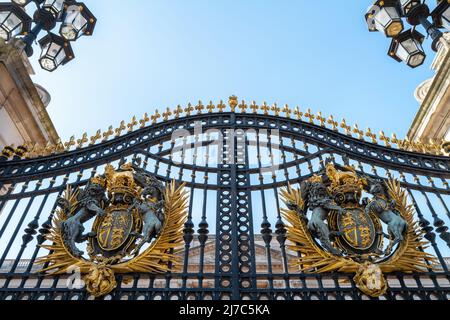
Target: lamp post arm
[
  {"x": 432, "y": 31},
  {"x": 31, "y": 37}
]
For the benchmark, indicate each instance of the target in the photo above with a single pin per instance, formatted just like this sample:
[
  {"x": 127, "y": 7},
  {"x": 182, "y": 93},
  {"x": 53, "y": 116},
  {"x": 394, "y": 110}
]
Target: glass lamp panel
[
  {"x": 410, "y": 45},
  {"x": 402, "y": 53},
  {"x": 416, "y": 59},
  {"x": 3, "y": 34},
  {"x": 53, "y": 50},
  {"x": 48, "y": 64},
  {"x": 55, "y": 6},
  {"x": 382, "y": 19},
  {"x": 12, "y": 22},
  {"x": 446, "y": 19},
  {"x": 45, "y": 49},
  {"x": 60, "y": 57}
]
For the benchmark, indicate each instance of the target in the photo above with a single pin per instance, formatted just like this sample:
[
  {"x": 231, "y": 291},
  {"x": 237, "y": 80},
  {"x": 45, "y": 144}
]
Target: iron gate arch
[{"x": 250, "y": 256}]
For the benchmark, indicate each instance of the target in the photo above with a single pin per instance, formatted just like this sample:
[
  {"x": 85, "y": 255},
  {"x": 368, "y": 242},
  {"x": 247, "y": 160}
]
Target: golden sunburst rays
[{"x": 411, "y": 255}]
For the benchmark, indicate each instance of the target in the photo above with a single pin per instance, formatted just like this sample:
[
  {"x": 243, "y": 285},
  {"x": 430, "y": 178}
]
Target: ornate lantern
[
  {"x": 407, "y": 47},
  {"x": 55, "y": 51},
  {"x": 55, "y": 7},
  {"x": 13, "y": 21},
  {"x": 383, "y": 16},
  {"x": 77, "y": 22}
]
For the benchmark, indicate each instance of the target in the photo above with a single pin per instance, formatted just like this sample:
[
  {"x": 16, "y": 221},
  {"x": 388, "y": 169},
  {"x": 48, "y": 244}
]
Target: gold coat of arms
[
  {"x": 137, "y": 224},
  {"x": 335, "y": 229}
]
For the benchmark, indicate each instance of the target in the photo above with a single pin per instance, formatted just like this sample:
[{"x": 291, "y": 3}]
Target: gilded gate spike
[
  {"x": 243, "y": 107},
  {"x": 265, "y": 108},
  {"x": 321, "y": 119},
  {"x": 371, "y": 135},
  {"x": 233, "y": 102},
  {"x": 346, "y": 127},
  {"x": 385, "y": 139},
  {"x": 70, "y": 143},
  {"x": 210, "y": 107},
  {"x": 49, "y": 148},
  {"x": 200, "y": 107},
  {"x": 334, "y": 124},
  {"x": 287, "y": 111},
  {"x": 144, "y": 120},
  {"x": 310, "y": 116},
  {"x": 221, "y": 106},
  {"x": 275, "y": 110},
  {"x": 395, "y": 140},
  {"x": 298, "y": 114},
  {"x": 132, "y": 124},
  {"x": 167, "y": 114},
  {"x": 84, "y": 139},
  {"x": 254, "y": 107},
  {"x": 358, "y": 132},
  {"x": 121, "y": 128},
  {"x": 178, "y": 111},
  {"x": 189, "y": 109},
  {"x": 60, "y": 146},
  {"x": 97, "y": 136},
  {"x": 155, "y": 117},
  {"x": 108, "y": 133}
]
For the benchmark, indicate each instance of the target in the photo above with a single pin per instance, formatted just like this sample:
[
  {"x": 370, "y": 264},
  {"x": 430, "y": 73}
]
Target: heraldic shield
[
  {"x": 334, "y": 229},
  {"x": 137, "y": 226}
]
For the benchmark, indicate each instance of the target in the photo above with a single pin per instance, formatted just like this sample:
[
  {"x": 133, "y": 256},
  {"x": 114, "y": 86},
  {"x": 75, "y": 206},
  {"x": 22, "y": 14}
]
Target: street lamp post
[
  {"x": 75, "y": 18},
  {"x": 387, "y": 17}
]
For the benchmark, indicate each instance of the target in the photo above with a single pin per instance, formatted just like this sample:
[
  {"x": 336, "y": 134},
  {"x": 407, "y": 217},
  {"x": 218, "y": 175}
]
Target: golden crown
[
  {"x": 344, "y": 181},
  {"x": 120, "y": 182}
]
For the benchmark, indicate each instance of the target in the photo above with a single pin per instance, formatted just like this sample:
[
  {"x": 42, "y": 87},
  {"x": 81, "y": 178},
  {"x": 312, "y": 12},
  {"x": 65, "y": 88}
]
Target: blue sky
[{"x": 159, "y": 53}]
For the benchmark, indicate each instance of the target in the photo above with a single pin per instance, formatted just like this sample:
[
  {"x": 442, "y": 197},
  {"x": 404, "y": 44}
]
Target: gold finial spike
[
  {"x": 59, "y": 146},
  {"x": 233, "y": 102},
  {"x": 395, "y": 140},
  {"x": 96, "y": 137},
  {"x": 333, "y": 123},
  {"x": 265, "y": 108},
  {"x": 321, "y": 119},
  {"x": 108, "y": 133},
  {"x": 346, "y": 127},
  {"x": 276, "y": 111},
  {"x": 178, "y": 111},
  {"x": 243, "y": 106},
  {"x": 155, "y": 117},
  {"x": 70, "y": 143},
  {"x": 82, "y": 141},
  {"x": 310, "y": 115},
  {"x": 144, "y": 120},
  {"x": 132, "y": 124},
  {"x": 121, "y": 128},
  {"x": 371, "y": 135},
  {"x": 298, "y": 114},
  {"x": 210, "y": 107},
  {"x": 386, "y": 140},
  {"x": 254, "y": 107},
  {"x": 287, "y": 111},
  {"x": 166, "y": 115},
  {"x": 358, "y": 132},
  {"x": 189, "y": 109},
  {"x": 200, "y": 107},
  {"x": 221, "y": 106}
]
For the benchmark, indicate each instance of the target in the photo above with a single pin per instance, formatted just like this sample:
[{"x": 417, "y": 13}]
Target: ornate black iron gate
[{"x": 237, "y": 196}]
